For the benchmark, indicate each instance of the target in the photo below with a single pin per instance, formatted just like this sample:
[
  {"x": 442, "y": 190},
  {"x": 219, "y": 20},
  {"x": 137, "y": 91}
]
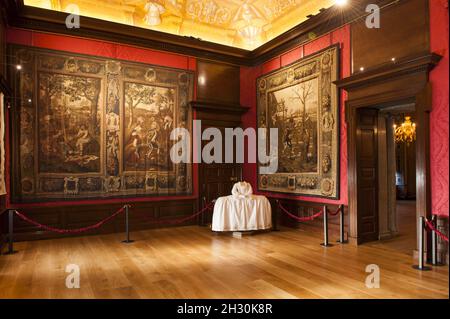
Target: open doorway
[{"x": 397, "y": 178}]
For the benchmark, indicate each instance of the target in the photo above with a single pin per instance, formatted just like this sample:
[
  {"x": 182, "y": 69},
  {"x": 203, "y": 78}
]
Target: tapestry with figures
[
  {"x": 93, "y": 127},
  {"x": 301, "y": 101}
]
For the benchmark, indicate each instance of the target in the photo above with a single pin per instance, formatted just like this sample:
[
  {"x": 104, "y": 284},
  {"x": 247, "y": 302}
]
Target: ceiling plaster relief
[{"x": 245, "y": 24}]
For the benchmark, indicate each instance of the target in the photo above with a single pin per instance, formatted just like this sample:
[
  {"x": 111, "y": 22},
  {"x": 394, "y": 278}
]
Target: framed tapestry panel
[
  {"x": 89, "y": 127},
  {"x": 301, "y": 101}
]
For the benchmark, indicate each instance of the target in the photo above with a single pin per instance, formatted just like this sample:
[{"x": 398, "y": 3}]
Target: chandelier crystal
[{"x": 406, "y": 132}]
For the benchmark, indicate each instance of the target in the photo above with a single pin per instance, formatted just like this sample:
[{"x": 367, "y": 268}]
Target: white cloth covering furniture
[{"x": 242, "y": 211}]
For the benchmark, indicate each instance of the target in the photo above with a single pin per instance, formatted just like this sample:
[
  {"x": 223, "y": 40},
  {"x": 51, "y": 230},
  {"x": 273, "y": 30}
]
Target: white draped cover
[{"x": 242, "y": 211}]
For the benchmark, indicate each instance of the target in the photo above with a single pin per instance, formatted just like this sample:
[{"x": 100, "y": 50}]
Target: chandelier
[{"x": 406, "y": 132}]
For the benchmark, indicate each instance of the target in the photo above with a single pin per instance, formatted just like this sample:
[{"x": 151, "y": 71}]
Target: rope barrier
[
  {"x": 431, "y": 227},
  {"x": 336, "y": 212},
  {"x": 69, "y": 231},
  {"x": 179, "y": 220},
  {"x": 300, "y": 219}
]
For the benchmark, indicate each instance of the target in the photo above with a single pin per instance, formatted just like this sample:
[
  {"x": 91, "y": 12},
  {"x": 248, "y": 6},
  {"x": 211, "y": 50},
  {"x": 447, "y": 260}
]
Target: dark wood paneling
[
  {"x": 218, "y": 82},
  {"x": 366, "y": 159},
  {"x": 404, "y": 31},
  {"x": 142, "y": 215},
  {"x": 217, "y": 179},
  {"x": 423, "y": 171},
  {"x": 406, "y": 80}
]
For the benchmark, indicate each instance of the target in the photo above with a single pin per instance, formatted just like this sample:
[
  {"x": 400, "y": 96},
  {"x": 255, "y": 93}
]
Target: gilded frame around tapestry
[
  {"x": 301, "y": 101},
  {"x": 92, "y": 127}
]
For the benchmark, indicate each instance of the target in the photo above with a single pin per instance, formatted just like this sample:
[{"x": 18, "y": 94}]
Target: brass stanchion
[
  {"x": 421, "y": 229},
  {"x": 342, "y": 239},
  {"x": 434, "y": 259},
  {"x": 325, "y": 228},
  {"x": 127, "y": 226},
  {"x": 10, "y": 233}
]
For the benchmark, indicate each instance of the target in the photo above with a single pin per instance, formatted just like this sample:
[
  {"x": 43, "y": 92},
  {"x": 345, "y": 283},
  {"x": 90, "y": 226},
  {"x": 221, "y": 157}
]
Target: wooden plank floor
[{"x": 191, "y": 262}]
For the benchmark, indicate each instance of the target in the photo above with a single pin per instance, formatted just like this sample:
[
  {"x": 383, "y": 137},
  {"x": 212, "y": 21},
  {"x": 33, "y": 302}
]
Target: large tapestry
[
  {"x": 301, "y": 101},
  {"x": 92, "y": 127},
  {"x": 2, "y": 146}
]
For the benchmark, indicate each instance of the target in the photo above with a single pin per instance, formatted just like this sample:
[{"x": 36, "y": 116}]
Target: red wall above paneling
[
  {"x": 99, "y": 48},
  {"x": 439, "y": 112}
]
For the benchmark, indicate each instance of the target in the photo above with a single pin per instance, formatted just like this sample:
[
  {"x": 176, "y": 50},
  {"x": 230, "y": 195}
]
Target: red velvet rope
[
  {"x": 69, "y": 231},
  {"x": 336, "y": 212},
  {"x": 431, "y": 227},
  {"x": 300, "y": 219},
  {"x": 179, "y": 220}
]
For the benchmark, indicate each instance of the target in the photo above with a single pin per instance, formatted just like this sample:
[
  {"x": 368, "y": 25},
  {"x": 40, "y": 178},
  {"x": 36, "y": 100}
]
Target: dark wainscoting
[
  {"x": 2, "y": 224},
  {"x": 304, "y": 209},
  {"x": 71, "y": 217}
]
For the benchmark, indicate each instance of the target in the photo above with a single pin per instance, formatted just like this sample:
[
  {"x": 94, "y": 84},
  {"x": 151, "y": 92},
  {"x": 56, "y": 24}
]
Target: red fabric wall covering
[
  {"x": 106, "y": 50},
  {"x": 248, "y": 98},
  {"x": 439, "y": 149},
  {"x": 439, "y": 115}
]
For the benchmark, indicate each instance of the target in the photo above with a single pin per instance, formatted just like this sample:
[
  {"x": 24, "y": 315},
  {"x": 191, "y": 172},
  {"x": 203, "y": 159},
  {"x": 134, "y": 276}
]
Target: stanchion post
[
  {"x": 127, "y": 226},
  {"x": 421, "y": 229},
  {"x": 434, "y": 259},
  {"x": 342, "y": 239},
  {"x": 325, "y": 228},
  {"x": 10, "y": 233}
]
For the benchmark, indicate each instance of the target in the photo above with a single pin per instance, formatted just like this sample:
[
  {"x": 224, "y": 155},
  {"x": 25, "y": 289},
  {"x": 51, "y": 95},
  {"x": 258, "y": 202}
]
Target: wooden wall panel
[
  {"x": 404, "y": 31},
  {"x": 142, "y": 215},
  {"x": 218, "y": 82}
]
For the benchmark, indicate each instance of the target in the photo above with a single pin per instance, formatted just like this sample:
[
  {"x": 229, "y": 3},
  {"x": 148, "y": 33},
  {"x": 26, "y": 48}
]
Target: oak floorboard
[{"x": 192, "y": 262}]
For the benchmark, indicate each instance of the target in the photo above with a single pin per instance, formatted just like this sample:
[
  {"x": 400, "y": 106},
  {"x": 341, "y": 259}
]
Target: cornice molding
[
  {"x": 327, "y": 20},
  {"x": 422, "y": 63},
  {"x": 210, "y": 106}
]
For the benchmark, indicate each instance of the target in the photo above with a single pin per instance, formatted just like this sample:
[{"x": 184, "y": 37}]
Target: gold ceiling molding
[{"x": 245, "y": 24}]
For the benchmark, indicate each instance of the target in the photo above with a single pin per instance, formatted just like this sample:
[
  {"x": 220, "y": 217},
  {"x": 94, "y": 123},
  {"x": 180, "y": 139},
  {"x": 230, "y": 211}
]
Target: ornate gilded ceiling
[{"x": 244, "y": 24}]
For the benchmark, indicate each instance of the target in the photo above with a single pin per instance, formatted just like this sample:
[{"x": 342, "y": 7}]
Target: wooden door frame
[
  {"x": 213, "y": 114},
  {"x": 405, "y": 81}
]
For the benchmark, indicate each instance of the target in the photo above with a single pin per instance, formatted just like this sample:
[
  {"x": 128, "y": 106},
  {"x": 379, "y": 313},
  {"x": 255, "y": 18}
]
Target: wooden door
[
  {"x": 367, "y": 174},
  {"x": 216, "y": 180}
]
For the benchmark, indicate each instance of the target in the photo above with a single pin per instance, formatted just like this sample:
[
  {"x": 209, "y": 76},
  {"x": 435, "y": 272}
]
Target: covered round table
[{"x": 242, "y": 211}]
